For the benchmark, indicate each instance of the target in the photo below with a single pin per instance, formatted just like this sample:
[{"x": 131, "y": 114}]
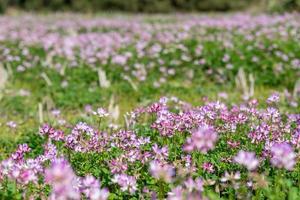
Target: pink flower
[
  {"x": 160, "y": 153},
  {"x": 62, "y": 179},
  {"x": 233, "y": 144},
  {"x": 55, "y": 112},
  {"x": 101, "y": 112},
  {"x": 84, "y": 138},
  {"x": 247, "y": 159},
  {"x": 19, "y": 154},
  {"x": 203, "y": 139},
  {"x": 91, "y": 188},
  {"x": 127, "y": 183},
  {"x": 177, "y": 193},
  {"x": 88, "y": 109},
  {"x": 283, "y": 156},
  {"x": 117, "y": 166},
  {"x": 11, "y": 124},
  {"x": 231, "y": 176},
  {"x": 28, "y": 175},
  {"x": 207, "y": 166},
  {"x": 47, "y": 130},
  {"x": 192, "y": 189},
  {"x": 274, "y": 98},
  {"x": 119, "y": 59},
  {"x": 196, "y": 184},
  {"x": 161, "y": 171},
  {"x": 99, "y": 194}
]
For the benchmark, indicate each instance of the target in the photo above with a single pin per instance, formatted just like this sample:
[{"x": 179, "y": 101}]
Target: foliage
[{"x": 149, "y": 6}]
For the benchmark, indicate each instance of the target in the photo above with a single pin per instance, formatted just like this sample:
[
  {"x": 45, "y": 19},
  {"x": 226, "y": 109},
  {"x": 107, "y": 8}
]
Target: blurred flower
[
  {"x": 231, "y": 176},
  {"x": 177, "y": 193},
  {"x": 91, "y": 188},
  {"x": 274, "y": 98},
  {"x": 62, "y": 180},
  {"x": 233, "y": 144},
  {"x": 101, "y": 112},
  {"x": 247, "y": 159},
  {"x": 161, "y": 171},
  {"x": 283, "y": 156},
  {"x": 203, "y": 139},
  {"x": 127, "y": 183},
  {"x": 11, "y": 124},
  {"x": 196, "y": 184}
]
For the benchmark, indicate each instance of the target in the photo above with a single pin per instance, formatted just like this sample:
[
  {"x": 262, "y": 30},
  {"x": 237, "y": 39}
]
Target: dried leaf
[
  {"x": 103, "y": 81},
  {"x": 296, "y": 92},
  {"x": 40, "y": 108},
  {"x": 242, "y": 83},
  {"x": 114, "y": 111},
  {"x": 252, "y": 83},
  {"x": 133, "y": 85},
  {"x": 3, "y": 77},
  {"x": 47, "y": 79}
]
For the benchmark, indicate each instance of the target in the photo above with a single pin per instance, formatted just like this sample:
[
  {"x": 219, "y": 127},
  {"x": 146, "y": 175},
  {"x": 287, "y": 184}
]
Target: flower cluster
[
  {"x": 62, "y": 180},
  {"x": 155, "y": 42},
  {"x": 203, "y": 139},
  {"x": 127, "y": 183},
  {"x": 283, "y": 156},
  {"x": 84, "y": 138},
  {"x": 48, "y": 131},
  {"x": 161, "y": 171},
  {"x": 169, "y": 149},
  {"x": 247, "y": 159},
  {"x": 66, "y": 185}
]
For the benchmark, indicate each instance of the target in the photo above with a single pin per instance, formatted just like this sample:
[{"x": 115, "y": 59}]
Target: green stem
[
  {"x": 99, "y": 126},
  {"x": 161, "y": 190}
]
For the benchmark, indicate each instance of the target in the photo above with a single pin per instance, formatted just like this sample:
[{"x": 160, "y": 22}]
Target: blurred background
[{"x": 149, "y": 6}]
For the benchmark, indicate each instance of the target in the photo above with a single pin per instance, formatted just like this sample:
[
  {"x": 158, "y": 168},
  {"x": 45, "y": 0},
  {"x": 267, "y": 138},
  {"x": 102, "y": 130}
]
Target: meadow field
[{"x": 137, "y": 106}]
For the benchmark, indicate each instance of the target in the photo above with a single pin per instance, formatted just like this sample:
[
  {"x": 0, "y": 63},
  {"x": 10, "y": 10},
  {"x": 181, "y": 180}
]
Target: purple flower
[
  {"x": 161, "y": 171},
  {"x": 207, "y": 166},
  {"x": 247, "y": 159},
  {"x": 192, "y": 189},
  {"x": 91, "y": 188},
  {"x": 233, "y": 144},
  {"x": 117, "y": 166},
  {"x": 231, "y": 177},
  {"x": 177, "y": 193},
  {"x": 47, "y": 130},
  {"x": 62, "y": 180},
  {"x": 99, "y": 194},
  {"x": 203, "y": 139},
  {"x": 196, "y": 184},
  {"x": 88, "y": 109},
  {"x": 27, "y": 175},
  {"x": 119, "y": 59},
  {"x": 274, "y": 98},
  {"x": 160, "y": 153},
  {"x": 19, "y": 153},
  {"x": 101, "y": 112},
  {"x": 55, "y": 112},
  {"x": 83, "y": 138},
  {"x": 11, "y": 124},
  {"x": 283, "y": 156},
  {"x": 127, "y": 183}
]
